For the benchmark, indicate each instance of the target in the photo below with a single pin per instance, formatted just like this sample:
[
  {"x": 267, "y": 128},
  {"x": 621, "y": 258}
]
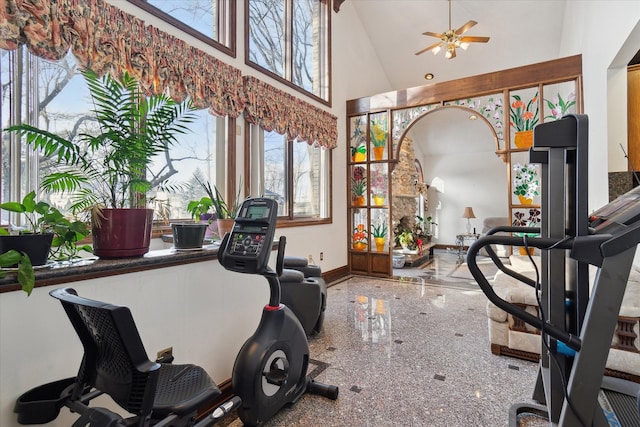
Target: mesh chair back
[{"x": 115, "y": 361}]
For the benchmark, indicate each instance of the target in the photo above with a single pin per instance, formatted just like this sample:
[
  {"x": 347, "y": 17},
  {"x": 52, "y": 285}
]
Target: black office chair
[
  {"x": 115, "y": 363},
  {"x": 304, "y": 291}
]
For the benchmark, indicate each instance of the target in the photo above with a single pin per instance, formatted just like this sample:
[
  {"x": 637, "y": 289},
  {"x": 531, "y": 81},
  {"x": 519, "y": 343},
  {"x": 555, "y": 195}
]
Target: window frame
[
  {"x": 226, "y": 23},
  {"x": 325, "y": 62},
  {"x": 24, "y": 161},
  {"x": 254, "y": 183}
]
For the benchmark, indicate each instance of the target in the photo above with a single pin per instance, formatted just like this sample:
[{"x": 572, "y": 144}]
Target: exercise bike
[
  {"x": 269, "y": 373},
  {"x": 270, "y": 370}
]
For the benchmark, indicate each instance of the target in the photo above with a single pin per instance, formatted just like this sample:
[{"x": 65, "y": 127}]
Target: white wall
[
  {"x": 204, "y": 311},
  {"x": 599, "y": 30},
  {"x": 461, "y": 153}
]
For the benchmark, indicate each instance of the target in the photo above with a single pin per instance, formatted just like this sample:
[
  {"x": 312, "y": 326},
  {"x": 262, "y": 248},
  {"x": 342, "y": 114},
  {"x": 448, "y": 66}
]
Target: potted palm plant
[{"x": 105, "y": 171}]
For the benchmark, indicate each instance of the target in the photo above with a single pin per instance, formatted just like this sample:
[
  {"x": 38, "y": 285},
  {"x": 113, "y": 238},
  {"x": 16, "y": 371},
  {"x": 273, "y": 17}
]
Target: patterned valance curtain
[
  {"x": 105, "y": 39},
  {"x": 275, "y": 110}
]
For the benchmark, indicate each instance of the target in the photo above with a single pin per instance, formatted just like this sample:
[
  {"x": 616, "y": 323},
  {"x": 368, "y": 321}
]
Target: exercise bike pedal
[{"x": 276, "y": 377}]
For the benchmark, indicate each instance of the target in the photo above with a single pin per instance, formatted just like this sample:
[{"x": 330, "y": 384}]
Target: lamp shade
[{"x": 468, "y": 212}]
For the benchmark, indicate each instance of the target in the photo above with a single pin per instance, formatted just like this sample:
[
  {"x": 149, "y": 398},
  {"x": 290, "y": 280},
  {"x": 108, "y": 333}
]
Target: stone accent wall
[{"x": 405, "y": 189}]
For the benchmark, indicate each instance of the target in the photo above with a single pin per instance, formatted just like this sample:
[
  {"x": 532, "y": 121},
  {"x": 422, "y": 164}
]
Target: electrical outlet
[
  {"x": 321, "y": 256},
  {"x": 164, "y": 353}
]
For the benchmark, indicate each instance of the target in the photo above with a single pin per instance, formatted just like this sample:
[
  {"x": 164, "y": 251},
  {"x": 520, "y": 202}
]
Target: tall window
[
  {"x": 212, "y": 21},
  {"x": 295, "y": 174},
  {"x": 289, "y": 40},
  {"x": 54, "y": 96}
]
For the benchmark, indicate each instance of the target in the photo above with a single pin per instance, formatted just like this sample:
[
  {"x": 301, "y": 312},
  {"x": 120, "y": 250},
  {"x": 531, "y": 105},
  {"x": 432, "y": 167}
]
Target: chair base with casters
[
  {"x": 115, "y": 363},
  {"x": 304, "y": 291}
]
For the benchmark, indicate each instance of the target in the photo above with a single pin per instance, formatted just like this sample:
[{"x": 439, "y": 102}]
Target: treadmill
[{"x": 577, "y": 319}]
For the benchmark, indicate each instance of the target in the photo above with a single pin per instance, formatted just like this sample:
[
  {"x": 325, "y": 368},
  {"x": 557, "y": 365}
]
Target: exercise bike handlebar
[{"x": 536, "y": 242}]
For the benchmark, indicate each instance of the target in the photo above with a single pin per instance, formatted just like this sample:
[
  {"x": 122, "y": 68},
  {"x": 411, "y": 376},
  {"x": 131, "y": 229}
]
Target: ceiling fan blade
[
  {"x": 473, "y": 39},
  {"x": 465, "y": 27},
  {"x": 428, "y": 48},
  {"x": 429, "y": 33}
]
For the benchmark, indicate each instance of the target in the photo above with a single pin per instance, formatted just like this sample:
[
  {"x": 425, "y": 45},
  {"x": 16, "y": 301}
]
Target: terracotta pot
[
  {"x": 36, "y": 246},
  {"x": 122, "y": 233},
  {"x": 224, "y": 226},
  {"x": 378, "y": 152},
  {"x": 358, "y": 200},
  {"x": 524, "y": 200},
  {"x": 523, "y": 139}
]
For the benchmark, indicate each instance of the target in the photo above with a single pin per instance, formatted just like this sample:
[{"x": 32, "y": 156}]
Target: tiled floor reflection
[{"x": 413, "y": 351}]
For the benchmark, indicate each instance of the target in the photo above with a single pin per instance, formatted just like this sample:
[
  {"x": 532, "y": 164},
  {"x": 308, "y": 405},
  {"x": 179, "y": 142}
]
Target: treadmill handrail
[
  {"x": 496, "y": 259},
  {"x": 537, "y": 242}
]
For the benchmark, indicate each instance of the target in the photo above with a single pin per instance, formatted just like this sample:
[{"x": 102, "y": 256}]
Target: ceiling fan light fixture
[{"x": 452, "y": 39}]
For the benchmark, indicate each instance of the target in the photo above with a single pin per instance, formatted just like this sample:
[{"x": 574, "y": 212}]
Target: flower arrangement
[
  {"x": 378, "y": 131},
  {"x": 359, "y": 237},
  {"x": 525, "y": 180},
  {"x": 523, "y": 117},
  {"x": 358, "y": 185},
  {"x": 379, "y": 183},
  {"x": 560, "y": 107}
]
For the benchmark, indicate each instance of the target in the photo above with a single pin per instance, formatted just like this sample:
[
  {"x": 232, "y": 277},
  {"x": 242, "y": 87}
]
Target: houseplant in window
[
  {"x": 524, "y": 117},
  {"x": 525, "y": 182},
  {"x": 46, "y": 235},
  {"x": 104, "y": 170},
  {"x": 224, "y": 211}
]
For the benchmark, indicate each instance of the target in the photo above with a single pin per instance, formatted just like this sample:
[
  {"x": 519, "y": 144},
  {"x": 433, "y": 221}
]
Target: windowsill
[{"x": 85, "y": 269}]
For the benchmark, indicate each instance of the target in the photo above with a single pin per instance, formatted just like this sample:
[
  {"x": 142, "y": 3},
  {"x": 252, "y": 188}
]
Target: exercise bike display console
[{"x": 247, "y": 248}]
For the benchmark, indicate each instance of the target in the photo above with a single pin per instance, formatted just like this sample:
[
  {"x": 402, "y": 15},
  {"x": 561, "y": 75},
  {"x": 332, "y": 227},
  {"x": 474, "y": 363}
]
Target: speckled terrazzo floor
[{"x": 413, "y": 351}]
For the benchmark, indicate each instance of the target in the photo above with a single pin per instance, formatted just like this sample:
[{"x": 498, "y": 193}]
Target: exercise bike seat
[
  {"x": 304, "y": 291},
  {"x": 115, "y": 363}
]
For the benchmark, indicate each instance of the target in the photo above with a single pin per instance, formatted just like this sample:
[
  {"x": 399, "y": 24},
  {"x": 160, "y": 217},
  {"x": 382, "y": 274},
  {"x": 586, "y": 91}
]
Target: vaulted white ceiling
[{"x": 522, "y": 32}]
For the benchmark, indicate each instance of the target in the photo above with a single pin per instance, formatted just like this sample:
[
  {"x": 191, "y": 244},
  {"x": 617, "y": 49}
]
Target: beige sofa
[{"x": 512, "y": 337}]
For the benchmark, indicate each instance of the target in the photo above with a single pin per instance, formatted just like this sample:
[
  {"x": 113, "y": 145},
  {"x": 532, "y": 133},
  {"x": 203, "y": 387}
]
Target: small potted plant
[
  {"x": 225, "y": 212},
  {"x": 379, "y": 232},
  {"x": 105, "y": 170},
  {"x": 522, "y": 249},
  {"x": 202, "y": 210},
  {"x": 525, "y": 182},
  {"x": 48, "y": 234}
]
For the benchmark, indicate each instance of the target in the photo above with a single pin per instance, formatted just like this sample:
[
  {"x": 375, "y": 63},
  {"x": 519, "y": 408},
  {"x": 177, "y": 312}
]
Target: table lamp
[{"x": 468, "y": 213}]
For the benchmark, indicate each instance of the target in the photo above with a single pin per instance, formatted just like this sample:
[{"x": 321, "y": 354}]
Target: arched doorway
[{"x": 457, "y": 148}]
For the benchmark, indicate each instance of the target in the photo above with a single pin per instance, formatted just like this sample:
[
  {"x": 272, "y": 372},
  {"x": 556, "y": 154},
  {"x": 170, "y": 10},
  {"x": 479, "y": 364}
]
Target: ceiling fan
[{"x": 452, "y": 39}]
